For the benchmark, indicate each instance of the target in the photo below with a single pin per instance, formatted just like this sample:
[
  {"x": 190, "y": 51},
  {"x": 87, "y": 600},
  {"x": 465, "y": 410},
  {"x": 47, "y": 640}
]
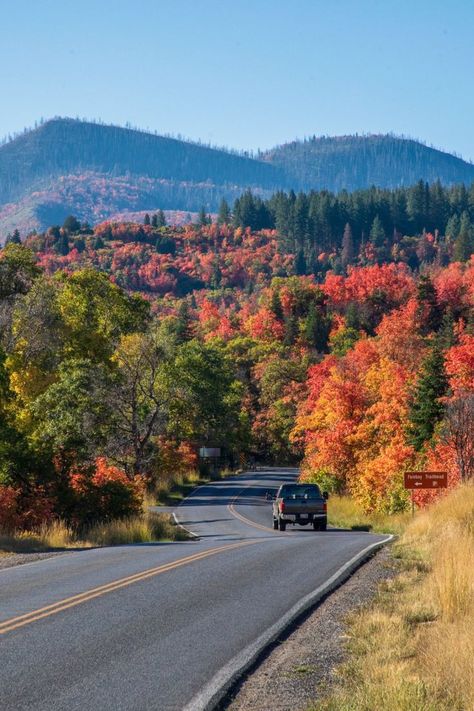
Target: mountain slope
[
  {"x": 94, "y": 171},
  {"x": 357, "y": 162}
]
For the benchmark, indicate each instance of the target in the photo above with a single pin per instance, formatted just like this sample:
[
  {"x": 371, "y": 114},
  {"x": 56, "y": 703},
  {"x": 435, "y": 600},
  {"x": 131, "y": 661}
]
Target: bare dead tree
[{"x": 460, "y": 428}]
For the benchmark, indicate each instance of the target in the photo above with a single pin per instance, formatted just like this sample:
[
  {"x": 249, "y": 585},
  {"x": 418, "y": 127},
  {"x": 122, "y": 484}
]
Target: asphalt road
[{"x": 148, "y": 626}]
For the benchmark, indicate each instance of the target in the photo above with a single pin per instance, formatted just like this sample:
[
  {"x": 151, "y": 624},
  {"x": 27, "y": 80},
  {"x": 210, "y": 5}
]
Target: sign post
[{"x": 424, "y": 480}]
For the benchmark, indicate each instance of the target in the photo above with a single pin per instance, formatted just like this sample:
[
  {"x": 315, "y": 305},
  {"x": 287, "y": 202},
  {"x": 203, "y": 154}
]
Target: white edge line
[
  {"x": 213, "y": 692},
  {"x": 195, "y": 536}
]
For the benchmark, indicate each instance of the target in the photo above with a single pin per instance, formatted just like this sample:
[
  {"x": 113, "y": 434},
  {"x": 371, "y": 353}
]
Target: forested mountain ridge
[
  {"x": 356, "y": 162},
  {"x": 92, "y": 170}
]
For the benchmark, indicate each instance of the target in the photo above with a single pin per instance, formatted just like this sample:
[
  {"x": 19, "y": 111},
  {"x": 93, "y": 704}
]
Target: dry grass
[
  {"x": 147, "y": 528},
  {"x": 139, "y": 529},
  {"x": 345, "y": 512},
  {"x": 413, "y": 648}
]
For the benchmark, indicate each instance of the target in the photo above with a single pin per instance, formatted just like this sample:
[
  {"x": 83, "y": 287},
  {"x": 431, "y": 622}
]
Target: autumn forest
[{"x": 332, "y": 330}]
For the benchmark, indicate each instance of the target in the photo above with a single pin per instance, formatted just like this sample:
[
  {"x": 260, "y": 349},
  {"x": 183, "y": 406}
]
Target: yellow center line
[
  {"x": 244, "y": 519},
  {"x": 52, "y": 609}
]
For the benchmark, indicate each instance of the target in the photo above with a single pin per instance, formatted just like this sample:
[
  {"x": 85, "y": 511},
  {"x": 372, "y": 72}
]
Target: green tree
[
  {"x": 161, "y": 219},
  {"x": 427, "y": 408},
  {"x": 224, "y": 215},
  {"x": 464, "y": 242},
  {"x": 71, "y": 224},
  {"x": 146, "y": 219},
  {"x": 202, "y": 217}
]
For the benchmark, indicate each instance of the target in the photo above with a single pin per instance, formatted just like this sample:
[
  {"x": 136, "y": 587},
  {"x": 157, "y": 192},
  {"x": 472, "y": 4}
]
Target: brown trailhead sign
[{"x": 426, "y": 480}]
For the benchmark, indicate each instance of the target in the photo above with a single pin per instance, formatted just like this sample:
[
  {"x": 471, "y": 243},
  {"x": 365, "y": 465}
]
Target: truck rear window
[{"x": 300, "y": 491}]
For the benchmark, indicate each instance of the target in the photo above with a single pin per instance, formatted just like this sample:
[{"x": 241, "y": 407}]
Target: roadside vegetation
[
  {"x": 346, "y": 512},
  {"x": 57, "y": 535},
  {"x": 412, "y": 648}
]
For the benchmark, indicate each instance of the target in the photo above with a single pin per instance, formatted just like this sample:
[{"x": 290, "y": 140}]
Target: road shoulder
[{"x": 300, "y": 667}]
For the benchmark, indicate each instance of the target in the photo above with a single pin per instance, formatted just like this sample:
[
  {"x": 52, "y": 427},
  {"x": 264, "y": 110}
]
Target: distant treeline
[{"x": 319, "y": 222}]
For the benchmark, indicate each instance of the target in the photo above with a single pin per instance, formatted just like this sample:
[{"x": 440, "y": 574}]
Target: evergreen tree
[
  {"x": 377, "y": 232},
  {"x": 300, "y": 263},
  {"x": 154, "y": 220},
  {"x": 463, "y": 245},
  {"x": 317, "y": 326},
  {"x": 426, "y": 408},
  {"x": 183, "y": 328},
  {"x": 291, "y": 330},
  {"x": 276, "y": 306},
  {"x": 224, "y": 216},
  {"x": 62, "y": 245},
  {"x": 202, "y": 217},
  {"x": 71, "y": 224},
  {"x": 162, "y": 219},
  {"x": 146, "y": 219},
  {"x": 347, "y": 253},
  {"x": 430, "y": 313}
]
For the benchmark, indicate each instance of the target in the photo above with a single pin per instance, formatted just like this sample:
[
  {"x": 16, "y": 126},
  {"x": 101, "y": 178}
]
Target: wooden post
[{"x": 412, "y": 504}]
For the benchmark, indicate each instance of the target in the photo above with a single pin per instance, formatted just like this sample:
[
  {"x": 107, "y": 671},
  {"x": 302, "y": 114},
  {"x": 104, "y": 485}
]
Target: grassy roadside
[
  {"x": 147, "y": 528},
  {"x": 412, "y": 649},
  {"x": 344, "y": 512}
]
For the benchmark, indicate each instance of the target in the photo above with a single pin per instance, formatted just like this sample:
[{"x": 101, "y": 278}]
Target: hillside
[
  {"x": 95, "y": 171},
  {"x": 357, "y": 162}
]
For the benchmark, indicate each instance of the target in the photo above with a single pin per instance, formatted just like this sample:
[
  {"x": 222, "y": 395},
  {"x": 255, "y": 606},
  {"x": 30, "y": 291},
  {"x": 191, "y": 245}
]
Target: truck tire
[
  {"x": 323, "y": 526},
  {"x": 281, "y": 525},
  {"x": 275, "y": 524}
]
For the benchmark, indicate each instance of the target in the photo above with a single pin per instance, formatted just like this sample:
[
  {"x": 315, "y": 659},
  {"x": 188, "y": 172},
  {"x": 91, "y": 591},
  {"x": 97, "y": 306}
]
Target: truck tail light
[
  {"x": 325, "y": 507},
  {"x": 282, "y": 506}
]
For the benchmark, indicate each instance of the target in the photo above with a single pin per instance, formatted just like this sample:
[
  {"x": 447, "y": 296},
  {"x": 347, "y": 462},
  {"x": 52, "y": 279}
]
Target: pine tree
[
  {"x": 317, "y": 326},
  {"x": 276, "y": 306},
  {"x": 162, "y": 219},
  {"x": 183, "y": 328},
  {"x": 224, "y": 216},
  {"x": 430, "y": 313},
  {"x": 377, "y": 232},
  {"x": 146, "y": 219},
  {"x": 347, "y": 253},
  {"x": 426, "y": 408},
  {"x": 300, "y": 263},
  {"x": 463, "y": 244},
  {"x": 154, "y": 220},
  {"x": 202, "y": 217}
]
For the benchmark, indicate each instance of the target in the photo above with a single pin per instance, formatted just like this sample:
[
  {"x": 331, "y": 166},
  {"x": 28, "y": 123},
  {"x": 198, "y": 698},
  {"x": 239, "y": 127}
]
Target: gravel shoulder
[
  {"x": 9, "y": 560},
  {"x": 300, "y": 668}
]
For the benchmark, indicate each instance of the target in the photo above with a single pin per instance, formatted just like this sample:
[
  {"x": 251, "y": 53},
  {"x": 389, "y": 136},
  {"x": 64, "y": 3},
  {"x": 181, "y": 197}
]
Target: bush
[{"x": 104, "y": 494}]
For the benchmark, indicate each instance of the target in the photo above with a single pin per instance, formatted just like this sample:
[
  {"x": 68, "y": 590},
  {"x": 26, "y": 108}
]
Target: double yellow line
[
  {"x": 244, "y": 519},
  {"x": 21, "y": 620}
]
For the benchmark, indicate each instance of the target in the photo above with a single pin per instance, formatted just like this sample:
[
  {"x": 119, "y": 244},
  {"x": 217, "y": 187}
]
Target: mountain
[
  {"x": 357, "y": 162},
  {"x": 95, "y": 171}
]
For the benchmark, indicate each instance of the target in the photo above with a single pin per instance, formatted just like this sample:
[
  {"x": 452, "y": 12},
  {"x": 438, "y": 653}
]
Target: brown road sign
[{"x": 426, "y": 480}]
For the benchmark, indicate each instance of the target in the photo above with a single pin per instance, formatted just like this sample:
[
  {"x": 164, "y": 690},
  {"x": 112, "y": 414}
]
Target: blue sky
[{"x": 247, "y": 74}]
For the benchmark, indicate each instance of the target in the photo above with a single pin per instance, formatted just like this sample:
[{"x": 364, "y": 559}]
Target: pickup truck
[{"x": 302, "y": 504}]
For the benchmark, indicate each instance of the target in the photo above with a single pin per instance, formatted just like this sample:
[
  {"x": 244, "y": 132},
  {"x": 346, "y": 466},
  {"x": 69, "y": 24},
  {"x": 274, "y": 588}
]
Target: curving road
[{"x": 161, "y": 626}]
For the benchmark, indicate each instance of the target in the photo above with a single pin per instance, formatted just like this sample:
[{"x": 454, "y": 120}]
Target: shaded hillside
[
  {"x": 95, "y": 171},
  {"x": 356, "y": 162},
  {"x": 64, "y": 146}
]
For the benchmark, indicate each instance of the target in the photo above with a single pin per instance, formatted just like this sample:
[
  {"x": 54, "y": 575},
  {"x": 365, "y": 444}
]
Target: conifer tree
[
  {"x": 202, "y": 217},
  {"x": 276, "y": 306},
  {"x": 426, "y": 408},
  {"x": 146, "y": 219},
  {"x": 161, "y": 218},
  {"x": 154, "y": 220},
  {"x": 463, "y": 245},
  {"x": 224, "y": 216}
]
